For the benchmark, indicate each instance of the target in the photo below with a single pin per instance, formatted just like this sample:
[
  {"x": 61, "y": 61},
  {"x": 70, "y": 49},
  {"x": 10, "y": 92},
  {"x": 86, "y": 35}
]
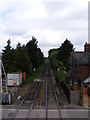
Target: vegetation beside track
[
  {"x": 33, "y": 76},
  {"x": 60, "y": 59}
]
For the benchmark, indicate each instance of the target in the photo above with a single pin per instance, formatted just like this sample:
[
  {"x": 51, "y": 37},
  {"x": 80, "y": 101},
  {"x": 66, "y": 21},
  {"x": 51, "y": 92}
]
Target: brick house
[{"x": 80, "y": 65}]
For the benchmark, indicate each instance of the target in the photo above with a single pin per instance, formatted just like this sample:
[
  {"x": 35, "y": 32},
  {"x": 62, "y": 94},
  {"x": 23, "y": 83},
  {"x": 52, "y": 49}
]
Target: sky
[{"x": 49, "y": 21}]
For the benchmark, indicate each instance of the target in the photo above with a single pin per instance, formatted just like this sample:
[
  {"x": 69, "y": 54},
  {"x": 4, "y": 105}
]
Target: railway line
[{"x": 40, "y": 99}]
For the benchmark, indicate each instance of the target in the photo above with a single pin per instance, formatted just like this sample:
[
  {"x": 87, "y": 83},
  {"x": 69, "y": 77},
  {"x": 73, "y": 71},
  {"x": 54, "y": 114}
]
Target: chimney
[{"x": 87, "y": 47}]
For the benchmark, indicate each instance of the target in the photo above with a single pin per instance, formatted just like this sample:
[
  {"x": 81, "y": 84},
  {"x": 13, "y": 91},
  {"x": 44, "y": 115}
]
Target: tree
[
  {"x": 23, "y": 58},
  {"x": 53, "y": 58},
  {"x": 7, "y": 57},
  {"x": 40, "y": 56},
  {"x": 34, "y": 52},
  {"x": 18, "y": 46},
  {"x": 65, "y": 52},
  {"x": 23, "y": 62},
  {"x": 60, "y": 58},
  {"x": 50, "y": 51},
  {"x": 16, "y": 60}
]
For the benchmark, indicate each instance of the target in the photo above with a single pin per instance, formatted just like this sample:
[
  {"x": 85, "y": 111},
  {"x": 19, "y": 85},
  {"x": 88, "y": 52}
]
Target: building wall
[
  {"x": 87, "y": 47},
  {"x": 84, "y": 71},
  {"x": 81, "y": 72},
  {"x": 80, "y": 64}
]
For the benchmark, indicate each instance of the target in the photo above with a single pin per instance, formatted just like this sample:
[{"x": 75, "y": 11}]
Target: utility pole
[
  {"x": 0, "y": 85},
  {"x": 0, "y": 73}
]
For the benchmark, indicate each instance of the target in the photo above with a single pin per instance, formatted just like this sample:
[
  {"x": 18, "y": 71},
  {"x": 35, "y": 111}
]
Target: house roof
[{"x": 81, "y": 58}]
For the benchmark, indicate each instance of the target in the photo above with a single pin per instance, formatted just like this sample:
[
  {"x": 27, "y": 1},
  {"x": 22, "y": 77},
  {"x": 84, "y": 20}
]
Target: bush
[{"x": 61, "y": 75}]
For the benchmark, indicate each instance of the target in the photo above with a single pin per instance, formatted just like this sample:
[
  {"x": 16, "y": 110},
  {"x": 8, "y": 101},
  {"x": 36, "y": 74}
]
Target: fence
[
  {"x": 74, "y": 97},
  {"x": 66, "y": 90}
]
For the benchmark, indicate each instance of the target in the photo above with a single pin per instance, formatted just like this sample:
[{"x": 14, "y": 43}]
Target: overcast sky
[{"x": 50, "y": 21}]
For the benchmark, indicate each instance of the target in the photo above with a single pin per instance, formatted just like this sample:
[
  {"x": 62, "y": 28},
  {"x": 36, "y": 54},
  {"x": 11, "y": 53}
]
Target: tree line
[
  {"x": 23, "y": 58},
  {"x": 60, "y": 59}
]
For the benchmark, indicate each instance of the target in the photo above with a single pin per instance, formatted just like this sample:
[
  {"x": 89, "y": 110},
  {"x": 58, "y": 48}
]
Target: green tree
[
  {"x": 53, "y": 58},
  {"x": 23, "y": 58},
  {"x": 65, "y": 52},
  {"x": 8, "y": 56},
  {"x": 34, "y": 52},
  {"x": 16, "y": 60}
]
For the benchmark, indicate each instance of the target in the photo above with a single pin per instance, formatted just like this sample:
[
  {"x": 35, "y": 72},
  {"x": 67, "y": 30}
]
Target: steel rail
[
  {"x": 31, "y": 106},
  {"x": 30, "y": 88},
  {"x": 43, "y": 75},
  {"x": 46, "y": 101},
  {"x": 37, "y": 116},
  {"x": 64, "y": 107},
  {"x": 21, "y": 103},
  {"x": 59, "y": 110},
  {"x": 61, "y": 100},
  {"x": 46, "y": 116}
]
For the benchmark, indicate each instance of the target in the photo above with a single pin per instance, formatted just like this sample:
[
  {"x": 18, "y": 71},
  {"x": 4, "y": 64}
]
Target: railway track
[
  {"x": 28, "y": 101},
  {"x": 61, "y": 104},
  {"x": 30, "y": 96},
  {"x": 40, "y": 99},
  {"x": 51, "y": 97}
]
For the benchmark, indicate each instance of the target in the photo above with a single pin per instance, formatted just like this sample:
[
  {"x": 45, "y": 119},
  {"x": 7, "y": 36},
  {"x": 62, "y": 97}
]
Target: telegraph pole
[
  {"x": 0, "y": 73},
  {"x": 0, "y": 86}
]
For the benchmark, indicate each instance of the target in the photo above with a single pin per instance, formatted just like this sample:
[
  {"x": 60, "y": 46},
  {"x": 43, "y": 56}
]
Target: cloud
[{"x": 51, "y": 22}]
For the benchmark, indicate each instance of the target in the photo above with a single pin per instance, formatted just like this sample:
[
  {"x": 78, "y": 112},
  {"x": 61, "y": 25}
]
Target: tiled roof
[{"x": 81, "y": 58}]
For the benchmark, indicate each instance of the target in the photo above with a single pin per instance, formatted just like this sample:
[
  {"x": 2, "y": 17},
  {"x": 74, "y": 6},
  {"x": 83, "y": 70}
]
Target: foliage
[
  {"x": 34, "y": 75},
  {"x": 65, "y": 52},
  {"x": 34, "y": 53},
  {"x": 50, "y": 51},
  {"x": 53, "y": 59},
  {"x": 23, "y": 58},
  {"x": 61, "y": 75},
  {"x": 60, "y": 57},
  {"x": 55, "y": 63},
  {"x": 8, "y": 57}
]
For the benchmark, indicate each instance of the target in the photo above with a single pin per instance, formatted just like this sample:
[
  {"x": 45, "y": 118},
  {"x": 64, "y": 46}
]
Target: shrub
[{"x": 61, "y": 75}]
